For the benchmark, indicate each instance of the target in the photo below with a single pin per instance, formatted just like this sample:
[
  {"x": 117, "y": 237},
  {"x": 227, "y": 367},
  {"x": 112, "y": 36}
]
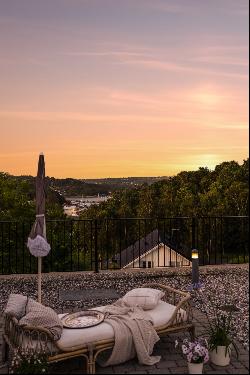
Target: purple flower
[
  {"x": 185, "y": 350},
  {"x": 195, "y": 351}
]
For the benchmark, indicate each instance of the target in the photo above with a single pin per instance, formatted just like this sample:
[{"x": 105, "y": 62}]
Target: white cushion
[
  {"x": 77, "y": 338},
  {"x": 163, "y": 312},
  {"x": 146, "y": 298}
]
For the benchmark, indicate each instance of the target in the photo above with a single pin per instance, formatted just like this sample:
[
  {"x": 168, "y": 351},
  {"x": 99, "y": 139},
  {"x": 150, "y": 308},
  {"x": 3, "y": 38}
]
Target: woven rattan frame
[{"x": 41, "y": 339}]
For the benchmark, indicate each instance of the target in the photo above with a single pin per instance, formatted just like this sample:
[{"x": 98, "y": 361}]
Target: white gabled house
[
  {"x": 151, "y": 252},
  {"x": 159, "y": 256}
]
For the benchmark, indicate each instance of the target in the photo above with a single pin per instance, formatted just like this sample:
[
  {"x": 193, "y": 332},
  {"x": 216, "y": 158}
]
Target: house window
[
  {"x": 147, "y": 264},
  {"x": 173, "y": 263}
]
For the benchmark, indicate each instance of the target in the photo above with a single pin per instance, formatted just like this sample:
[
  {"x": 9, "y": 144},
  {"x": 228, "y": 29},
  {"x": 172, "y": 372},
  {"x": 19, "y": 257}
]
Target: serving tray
[{"x": 82, "y": 319}]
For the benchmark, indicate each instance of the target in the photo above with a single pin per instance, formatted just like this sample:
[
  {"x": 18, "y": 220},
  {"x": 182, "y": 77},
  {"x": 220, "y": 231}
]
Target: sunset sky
[{"x": 115, "y": 88}]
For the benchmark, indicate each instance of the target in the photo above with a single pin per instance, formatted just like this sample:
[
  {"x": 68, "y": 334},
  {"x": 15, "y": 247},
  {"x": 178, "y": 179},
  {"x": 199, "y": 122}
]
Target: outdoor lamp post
[{"x": 195, "y": 267}]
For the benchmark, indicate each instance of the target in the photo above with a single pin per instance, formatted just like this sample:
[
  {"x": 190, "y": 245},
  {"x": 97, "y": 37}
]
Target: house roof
[{"x": 144, "y": 245}]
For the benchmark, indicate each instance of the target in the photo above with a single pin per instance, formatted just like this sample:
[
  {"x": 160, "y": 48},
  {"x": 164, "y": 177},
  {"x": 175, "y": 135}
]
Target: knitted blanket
[{"x": 134, "y": 334}]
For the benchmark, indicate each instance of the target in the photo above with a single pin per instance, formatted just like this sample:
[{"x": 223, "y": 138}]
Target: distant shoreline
[{"x": 91, "y": 197}]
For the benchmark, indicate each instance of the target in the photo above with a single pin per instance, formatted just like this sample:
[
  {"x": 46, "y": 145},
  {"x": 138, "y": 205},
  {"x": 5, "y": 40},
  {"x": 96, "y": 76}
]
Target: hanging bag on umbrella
[{"x": 37, "y": 244}]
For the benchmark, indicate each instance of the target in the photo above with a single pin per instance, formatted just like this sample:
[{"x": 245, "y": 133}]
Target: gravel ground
[{"x": 227, "y": 285}]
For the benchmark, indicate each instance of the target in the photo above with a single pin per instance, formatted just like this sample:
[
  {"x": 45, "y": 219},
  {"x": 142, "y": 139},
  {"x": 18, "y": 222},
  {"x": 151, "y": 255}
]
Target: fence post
[
  {"x": 193, "y": 233},
  {"x": 96, "y": 249}
]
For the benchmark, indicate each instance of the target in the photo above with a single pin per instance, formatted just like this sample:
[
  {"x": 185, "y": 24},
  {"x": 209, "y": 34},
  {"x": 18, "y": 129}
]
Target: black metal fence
[{"x": 78, "y": 245}]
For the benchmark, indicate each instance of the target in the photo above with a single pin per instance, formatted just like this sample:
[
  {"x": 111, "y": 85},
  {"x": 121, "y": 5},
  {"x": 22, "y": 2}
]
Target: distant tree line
[{"x": 223, "y": 191}]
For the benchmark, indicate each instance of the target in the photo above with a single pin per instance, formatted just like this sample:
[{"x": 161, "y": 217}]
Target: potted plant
[
  {"x": 197, "y": 354},
  {"x": 220, "y": 342},
  {"x": 28, "y": 361}
]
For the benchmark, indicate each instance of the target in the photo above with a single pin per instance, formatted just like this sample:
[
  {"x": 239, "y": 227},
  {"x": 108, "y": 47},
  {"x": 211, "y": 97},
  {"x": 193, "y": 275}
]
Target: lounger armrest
[
  {"x": 181, "y": 300},
  {"x": 182, "y": 313},
  {"x": 38, "y": 338},
  {"x": 172, "y": 295}
]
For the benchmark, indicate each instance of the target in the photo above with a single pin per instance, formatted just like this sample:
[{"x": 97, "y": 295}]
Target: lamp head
[{"x": 195, "y": 254}]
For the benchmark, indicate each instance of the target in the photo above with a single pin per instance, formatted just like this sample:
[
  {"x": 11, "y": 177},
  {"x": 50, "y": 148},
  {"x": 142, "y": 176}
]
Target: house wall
[{"x": 160, "y": 257}]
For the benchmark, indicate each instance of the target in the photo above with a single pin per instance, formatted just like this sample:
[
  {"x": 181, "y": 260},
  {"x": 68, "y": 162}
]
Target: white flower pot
[
  {"x": 195, "y": 368},
  {"x": 218, "y": 357}
]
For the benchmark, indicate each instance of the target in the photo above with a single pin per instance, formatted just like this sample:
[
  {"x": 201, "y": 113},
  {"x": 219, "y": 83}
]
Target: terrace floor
[{"x": 172, "y": 359}]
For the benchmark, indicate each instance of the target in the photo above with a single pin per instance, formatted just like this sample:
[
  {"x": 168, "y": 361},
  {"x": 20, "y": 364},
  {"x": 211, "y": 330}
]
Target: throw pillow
[
  {"x": 146, "y": 298},
  {"x": 42, "y": 316}
]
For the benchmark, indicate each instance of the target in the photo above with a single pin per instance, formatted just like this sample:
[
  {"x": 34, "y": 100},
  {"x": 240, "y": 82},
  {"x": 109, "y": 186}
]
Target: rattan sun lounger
[{"x": 172, "y": 314}]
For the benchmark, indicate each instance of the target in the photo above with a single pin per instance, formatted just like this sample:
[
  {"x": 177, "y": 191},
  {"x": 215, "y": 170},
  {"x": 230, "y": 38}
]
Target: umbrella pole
[{"x": 39, "y": 279}]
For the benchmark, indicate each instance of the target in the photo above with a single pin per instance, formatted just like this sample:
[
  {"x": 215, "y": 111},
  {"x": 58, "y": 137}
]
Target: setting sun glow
[{"x": 122, "y": 88}]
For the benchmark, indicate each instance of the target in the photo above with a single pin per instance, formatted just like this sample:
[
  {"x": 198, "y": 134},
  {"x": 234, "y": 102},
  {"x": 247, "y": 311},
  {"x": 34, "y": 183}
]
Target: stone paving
[{"x": 172, "y": 360}]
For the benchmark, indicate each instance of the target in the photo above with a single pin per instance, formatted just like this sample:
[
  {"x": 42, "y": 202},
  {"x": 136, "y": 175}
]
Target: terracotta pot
[
  {"x": 220, "y": 357},
  {"x": 195, "y": 368}
]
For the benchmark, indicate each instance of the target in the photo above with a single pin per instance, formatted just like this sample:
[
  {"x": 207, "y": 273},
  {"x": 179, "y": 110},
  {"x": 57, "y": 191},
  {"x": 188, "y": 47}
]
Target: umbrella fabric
[{"x": 37, "y": 242}]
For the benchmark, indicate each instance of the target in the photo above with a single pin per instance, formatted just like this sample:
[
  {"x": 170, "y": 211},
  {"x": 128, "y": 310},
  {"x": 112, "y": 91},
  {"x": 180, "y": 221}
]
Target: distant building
[
  {"x": 151, "y": 251},
  {"x": 76, "y": 205},
  {"x": 70, "y": 210}
]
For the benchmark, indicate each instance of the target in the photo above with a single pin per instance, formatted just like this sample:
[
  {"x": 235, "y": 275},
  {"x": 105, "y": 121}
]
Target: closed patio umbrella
[{"x": 37, "y": 242}]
